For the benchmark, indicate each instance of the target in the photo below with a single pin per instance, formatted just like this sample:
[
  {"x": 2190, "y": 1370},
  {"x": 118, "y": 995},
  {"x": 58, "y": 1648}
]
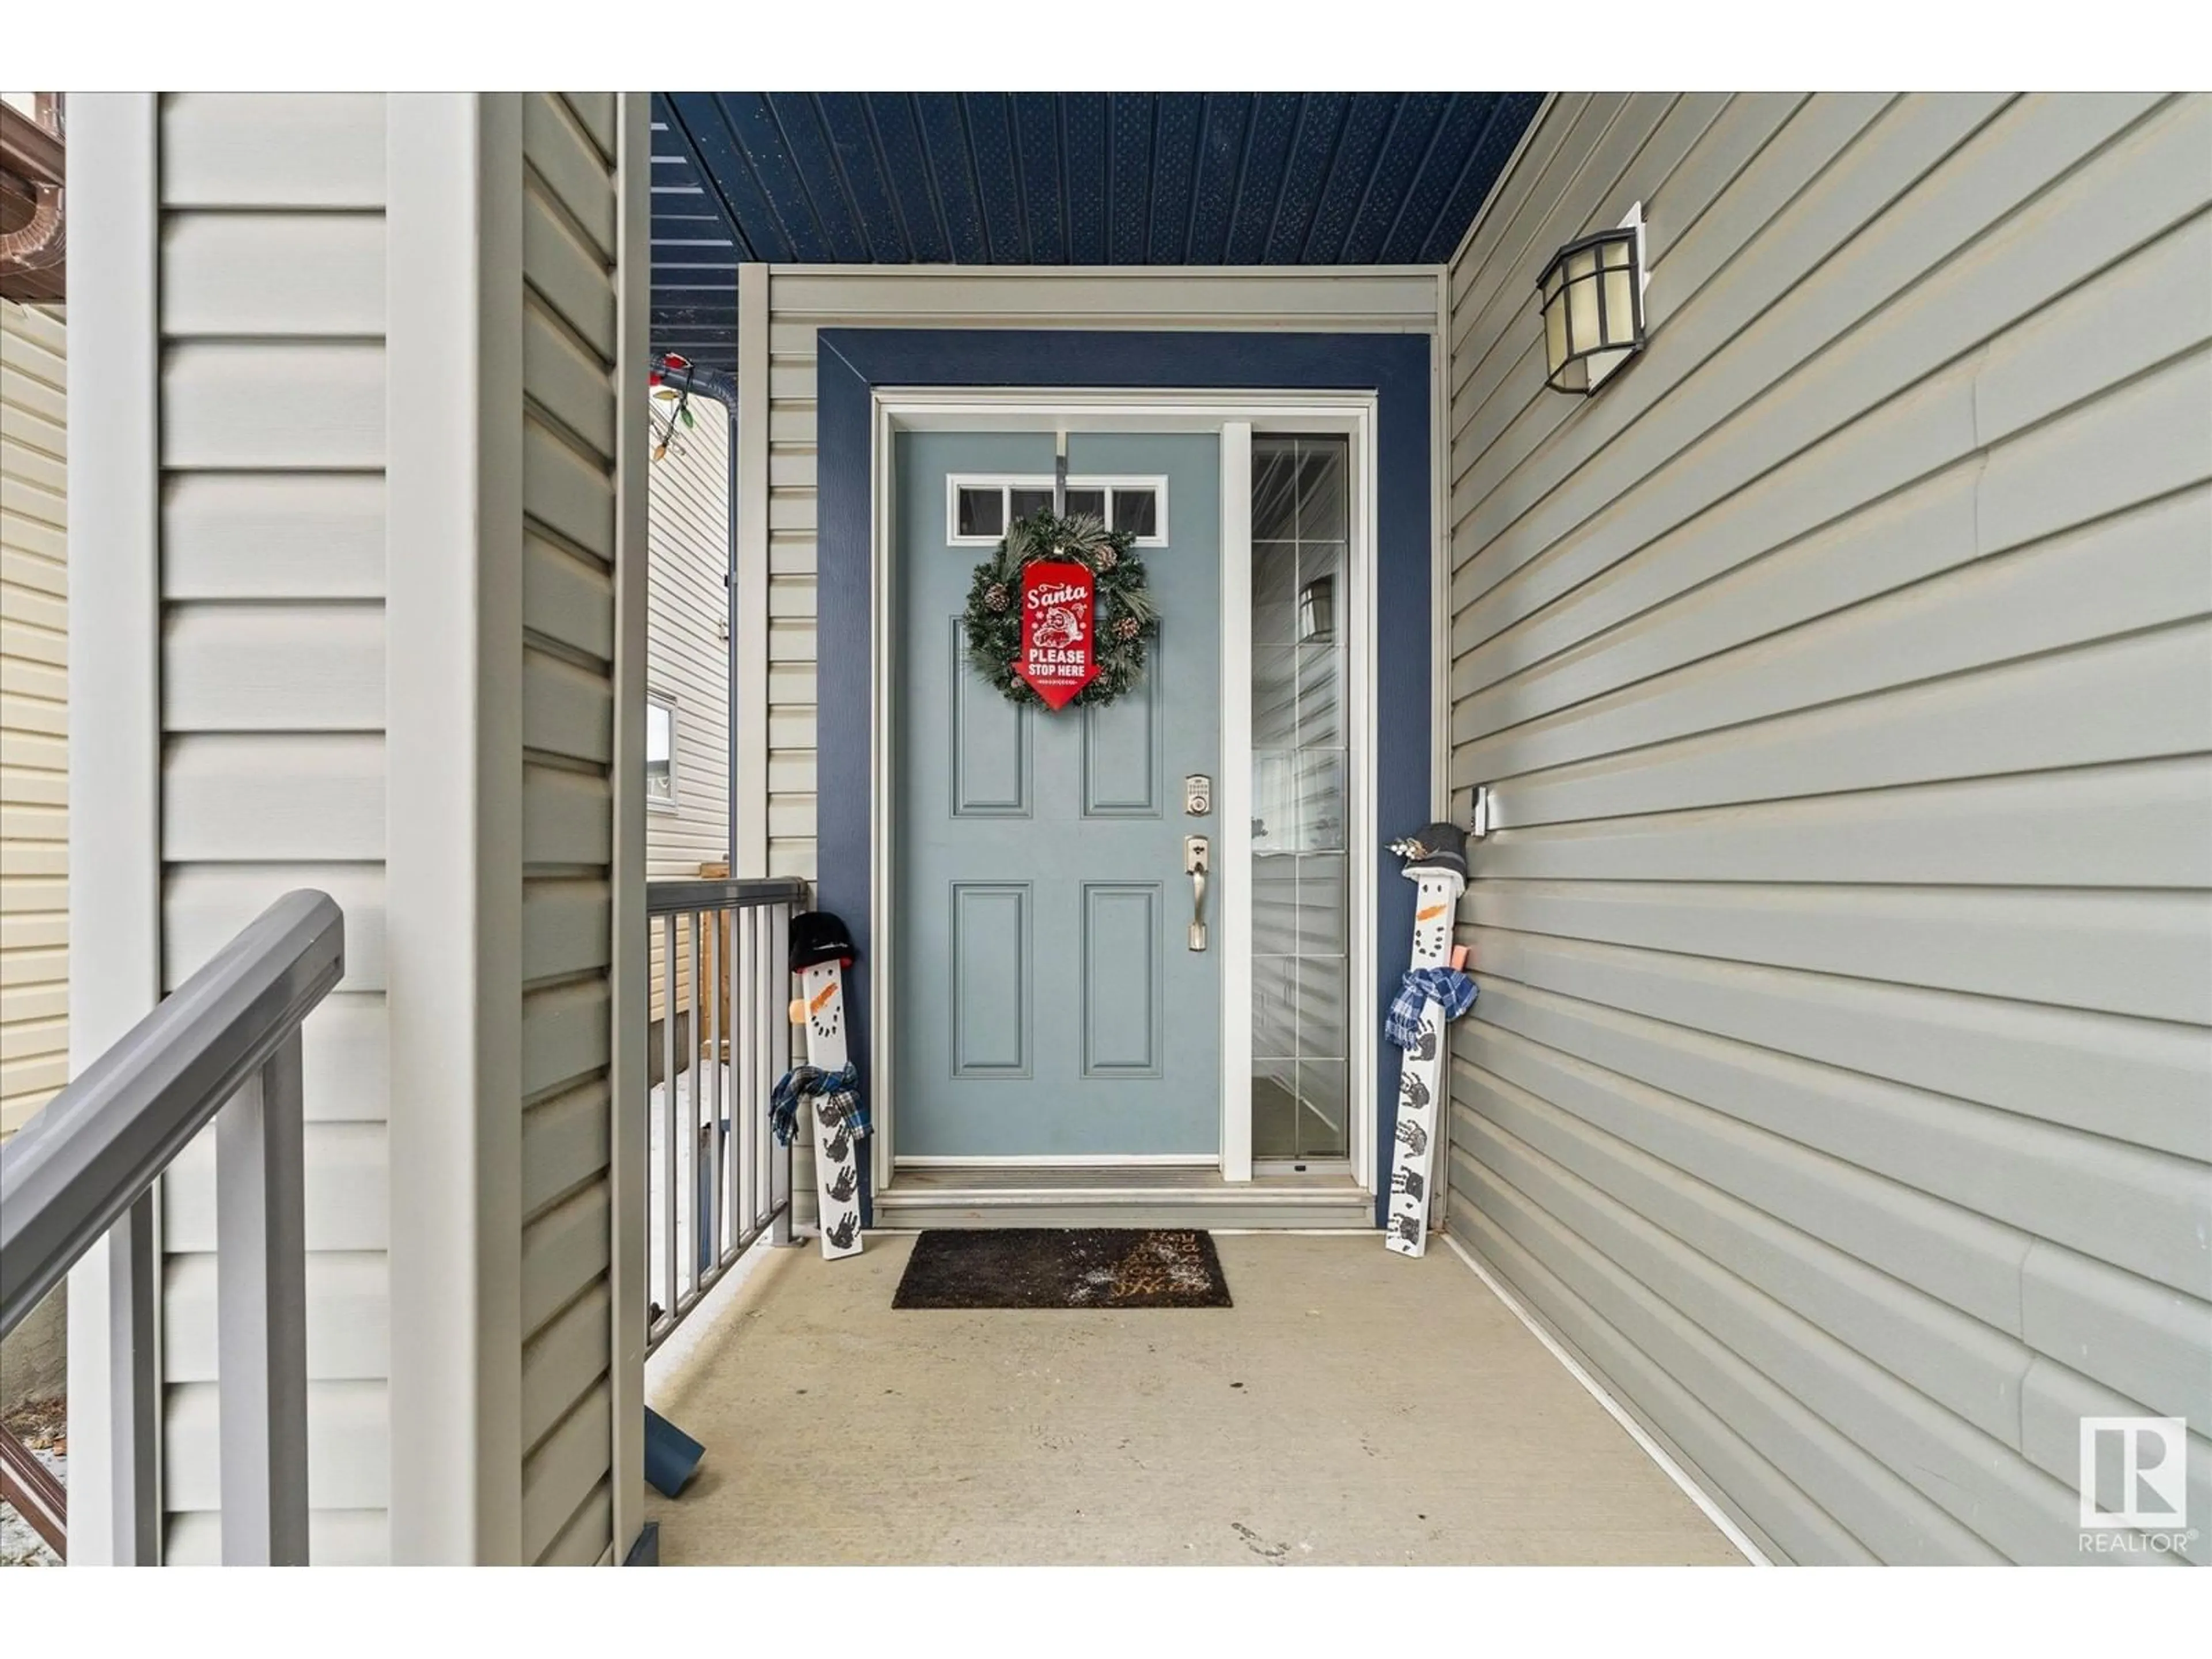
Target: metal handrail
[
  {"x": 717, "y": 1178},
  {"x": 681, "y": 895},
  {"x": 224, "y": 1048}
]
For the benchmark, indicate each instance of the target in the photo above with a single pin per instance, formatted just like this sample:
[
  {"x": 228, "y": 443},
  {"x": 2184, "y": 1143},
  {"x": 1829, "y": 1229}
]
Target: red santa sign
[{"x": 1059, "y": 606}]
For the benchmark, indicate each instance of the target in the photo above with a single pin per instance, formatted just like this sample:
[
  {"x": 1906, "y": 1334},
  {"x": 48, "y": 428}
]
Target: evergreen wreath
[{"x": 1126, "y": 615}]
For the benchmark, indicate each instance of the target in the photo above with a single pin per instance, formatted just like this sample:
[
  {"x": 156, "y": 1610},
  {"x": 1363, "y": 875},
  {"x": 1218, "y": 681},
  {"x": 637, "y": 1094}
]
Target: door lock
[
  {"x": 1197, "y": 795},
  {"x": 1197, "y": 860}
]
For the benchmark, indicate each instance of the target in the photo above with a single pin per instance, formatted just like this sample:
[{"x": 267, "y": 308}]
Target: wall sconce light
[
  {"x": 1477, "y": 817},
  {"x": 1591, "y": 296}
]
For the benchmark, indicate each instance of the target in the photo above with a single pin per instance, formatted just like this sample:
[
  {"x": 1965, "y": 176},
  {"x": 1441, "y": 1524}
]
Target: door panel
[
  {"x": 990, "y": 752},
  {"x": 1046, "y": 1004},
  {"x": 992, "y": 981},
  {"x": 1122, "y": 771},
  {"x": 1122, "y": 947}
]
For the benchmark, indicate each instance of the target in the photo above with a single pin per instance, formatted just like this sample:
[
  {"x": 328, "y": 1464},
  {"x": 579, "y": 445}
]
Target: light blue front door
[{"x": 1048, "y": 1004}]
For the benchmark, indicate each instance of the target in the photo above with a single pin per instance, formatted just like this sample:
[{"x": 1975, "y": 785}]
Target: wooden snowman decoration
[
  {"x": 821, "y": 949},
  {"x": 1436, "y": 863}
]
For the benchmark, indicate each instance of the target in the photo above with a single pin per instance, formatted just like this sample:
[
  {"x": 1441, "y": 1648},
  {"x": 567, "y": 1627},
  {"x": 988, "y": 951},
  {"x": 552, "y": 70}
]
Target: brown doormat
[{"x": 1063, "y": 1268}]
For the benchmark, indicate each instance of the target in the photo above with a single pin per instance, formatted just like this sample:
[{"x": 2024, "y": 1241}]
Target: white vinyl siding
[
  {"x": 569, "y": 532},
  {"x": 1838, "y": 1088},
  {"x": 271, "y": 318},
  {"x": 34, "y": 713},
  {"x": 688, "y": 650},
  {"x": 802, "y": 301},
  {"x": 688, "y": 661}
]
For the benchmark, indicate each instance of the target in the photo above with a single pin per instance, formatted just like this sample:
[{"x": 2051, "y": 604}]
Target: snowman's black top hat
[
  {"x": 1438, "y": 847},
  {"x": 816, "y": 936}
]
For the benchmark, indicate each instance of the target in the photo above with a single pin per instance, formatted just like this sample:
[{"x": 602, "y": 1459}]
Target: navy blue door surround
[{"x": 852, "y": 362}]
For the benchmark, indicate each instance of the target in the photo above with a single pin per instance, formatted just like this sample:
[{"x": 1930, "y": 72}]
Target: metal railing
[
  {"x": 721, "y": 1038},
  {"x": 39, "y": 1497},
  {"x": 224, "y": 1048}
]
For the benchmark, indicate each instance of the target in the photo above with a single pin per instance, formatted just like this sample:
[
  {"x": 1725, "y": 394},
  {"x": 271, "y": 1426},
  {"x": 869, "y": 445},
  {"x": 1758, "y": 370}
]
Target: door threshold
[{"x": 1126, "y": 1195}]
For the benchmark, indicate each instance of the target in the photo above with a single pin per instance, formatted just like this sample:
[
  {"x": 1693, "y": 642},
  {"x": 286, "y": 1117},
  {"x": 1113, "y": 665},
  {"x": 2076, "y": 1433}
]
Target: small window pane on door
[
  {"x": 1092, "y": 501},
  {"x": 1028, "y": 502},
  {"x": 1137, "y": 511},
  {"x": 982, "y": 512}
]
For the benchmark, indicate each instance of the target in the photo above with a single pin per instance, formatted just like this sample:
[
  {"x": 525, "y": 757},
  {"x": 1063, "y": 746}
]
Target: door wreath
[{"x": 1107, "y": 659}]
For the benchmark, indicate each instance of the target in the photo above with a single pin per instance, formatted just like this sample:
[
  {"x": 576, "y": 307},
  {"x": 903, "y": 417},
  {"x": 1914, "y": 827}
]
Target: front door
[{"x": 1048, "y": 1004}]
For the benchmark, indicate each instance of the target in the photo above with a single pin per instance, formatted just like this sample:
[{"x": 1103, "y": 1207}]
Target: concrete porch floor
[{"x": 1353, "y": 1407}]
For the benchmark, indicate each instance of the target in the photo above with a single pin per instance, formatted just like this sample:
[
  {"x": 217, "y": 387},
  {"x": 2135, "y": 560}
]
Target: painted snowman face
[
  {"x": 1432, "y": 922},
  {"x": 825, "y": 1011}
]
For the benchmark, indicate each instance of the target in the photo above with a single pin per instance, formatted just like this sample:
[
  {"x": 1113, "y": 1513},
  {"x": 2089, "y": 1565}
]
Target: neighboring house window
[{"x": 660, "y": 752}]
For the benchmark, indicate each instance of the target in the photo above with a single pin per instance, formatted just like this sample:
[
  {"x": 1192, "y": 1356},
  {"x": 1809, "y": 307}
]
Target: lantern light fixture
[{"x": 1591, "y": 299}]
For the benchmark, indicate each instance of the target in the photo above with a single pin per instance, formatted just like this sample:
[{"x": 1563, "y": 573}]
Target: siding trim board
[
  {"x": 1837, "y": 1089},
  {"x": 114, "y": 685},
  {"x": 454, "y": 166}
]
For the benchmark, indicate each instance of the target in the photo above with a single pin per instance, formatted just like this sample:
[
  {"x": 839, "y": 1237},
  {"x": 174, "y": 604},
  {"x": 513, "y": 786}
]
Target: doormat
[{"x": 1063, "y": 1268}]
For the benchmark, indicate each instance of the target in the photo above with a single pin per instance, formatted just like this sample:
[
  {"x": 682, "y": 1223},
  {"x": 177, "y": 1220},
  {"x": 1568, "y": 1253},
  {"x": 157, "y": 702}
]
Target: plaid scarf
[
  {"x": 836, "y": 1095},
  {"x": 1449, "y": 988}
]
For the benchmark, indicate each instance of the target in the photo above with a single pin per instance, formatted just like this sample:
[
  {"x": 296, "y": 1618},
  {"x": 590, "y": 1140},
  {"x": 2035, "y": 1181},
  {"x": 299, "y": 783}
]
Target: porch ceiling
[{"x": 1048, "y": 178}]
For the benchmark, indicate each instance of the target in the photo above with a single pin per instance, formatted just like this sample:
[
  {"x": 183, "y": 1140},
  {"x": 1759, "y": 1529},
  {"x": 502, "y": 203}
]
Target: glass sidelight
[{"x": 1301, "y": 899}]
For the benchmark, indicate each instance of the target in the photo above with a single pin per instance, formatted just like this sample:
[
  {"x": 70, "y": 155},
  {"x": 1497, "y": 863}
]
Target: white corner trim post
[
  {"x": 1233, "y": 795},
  {"x": 115, "y": 787},
  {"x": 749, "y": 727},
  {"x": 453, "y": 532}
]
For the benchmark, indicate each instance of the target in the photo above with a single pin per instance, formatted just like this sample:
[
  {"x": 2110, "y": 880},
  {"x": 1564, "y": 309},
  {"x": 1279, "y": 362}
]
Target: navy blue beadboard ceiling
[{"x": 1053, "y": 179}]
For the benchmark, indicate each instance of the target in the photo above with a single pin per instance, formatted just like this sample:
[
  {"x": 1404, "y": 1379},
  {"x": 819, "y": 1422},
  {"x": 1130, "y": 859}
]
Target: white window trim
[
  {"x": 672, "y": 805},
  {"x": 1006, "y": 481}
]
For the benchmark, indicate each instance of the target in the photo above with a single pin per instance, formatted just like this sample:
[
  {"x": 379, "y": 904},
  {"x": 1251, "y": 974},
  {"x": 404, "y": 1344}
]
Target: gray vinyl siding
[
  {"x": 802, "y": 301},
  {"x": 1839, "y": 1089},
  {"x": 570, "y": 346},
  {"x": 271, "y": 317}
]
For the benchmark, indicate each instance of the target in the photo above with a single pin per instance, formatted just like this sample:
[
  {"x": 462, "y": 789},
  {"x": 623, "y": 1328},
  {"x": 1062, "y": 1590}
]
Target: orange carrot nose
[
  {"x": 822, "y": 996},
  {"x": 1431, "y": 912}
]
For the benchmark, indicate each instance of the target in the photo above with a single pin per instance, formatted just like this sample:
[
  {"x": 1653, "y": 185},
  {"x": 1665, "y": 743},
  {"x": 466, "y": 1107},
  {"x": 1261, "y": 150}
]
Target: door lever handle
[{"x": 1197, "y": 860}]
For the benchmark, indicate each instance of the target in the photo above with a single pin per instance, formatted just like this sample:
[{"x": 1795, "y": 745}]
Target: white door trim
[
  {"x": 1233, "y": 796},
  {"x": 1081, "y": 410}
]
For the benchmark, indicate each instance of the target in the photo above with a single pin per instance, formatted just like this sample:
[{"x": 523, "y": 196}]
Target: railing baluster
[
  {"x": 711, "y": 1085},
  {"x": 756, "y": 971},
  {"x": 701, "y": 1195},
  {"x": 776, "y": 1058},
  {"x": 727, "y": 1093},
  {"x": 82, "y": 1177},
  {"x": 261, "y": 1307},
  {"x": 668, "y": 1109},
  {"x": 135, "y": 1385},
  {"x": 734, "y": 1182}
]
